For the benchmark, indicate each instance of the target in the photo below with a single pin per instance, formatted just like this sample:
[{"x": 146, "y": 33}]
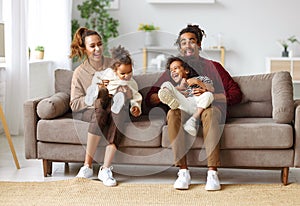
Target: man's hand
[
  {"x": 198, "y": 91},
  {"x": 194, "y": 81}
]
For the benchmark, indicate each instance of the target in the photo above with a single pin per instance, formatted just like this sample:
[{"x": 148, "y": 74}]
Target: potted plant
[
  {"x": 149, "y": 36},
  {"x": 147, "y": 27},
  {"x": 285, "y": 45},
  {"x": 97, "y": 18},
  {"x": 39, "y": 52}
]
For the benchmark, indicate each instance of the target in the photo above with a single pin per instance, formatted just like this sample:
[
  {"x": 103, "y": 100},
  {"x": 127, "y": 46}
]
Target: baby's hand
[{"x": 135, "y": 111}]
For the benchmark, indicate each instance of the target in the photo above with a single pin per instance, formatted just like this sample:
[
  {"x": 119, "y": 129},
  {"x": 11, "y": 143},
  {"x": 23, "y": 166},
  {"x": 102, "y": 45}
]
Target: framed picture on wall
[
  {"x": 114, "y": 4},
  {"x": 181, "y": 1}
]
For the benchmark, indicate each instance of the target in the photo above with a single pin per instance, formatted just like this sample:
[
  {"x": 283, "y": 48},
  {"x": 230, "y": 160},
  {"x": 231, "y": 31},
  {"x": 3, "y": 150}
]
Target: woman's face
[
  {"x": 93, "y": 47},
  {"x": 177, "y": 71}
]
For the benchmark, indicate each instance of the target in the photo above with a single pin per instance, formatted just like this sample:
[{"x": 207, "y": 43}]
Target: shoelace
[
  {"x": 85, "y": 170},
  {"x": 109, "y": 172},
  {"x": 181, "y": 174}
]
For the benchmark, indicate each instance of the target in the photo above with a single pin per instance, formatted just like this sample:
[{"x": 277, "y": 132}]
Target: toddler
[
  {"x": 119, "y": 78},
  {"x": 181, "y": 95}
]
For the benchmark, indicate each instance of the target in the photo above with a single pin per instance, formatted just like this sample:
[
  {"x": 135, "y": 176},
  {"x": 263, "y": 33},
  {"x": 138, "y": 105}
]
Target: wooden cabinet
[{"x": 291, "y": 65}]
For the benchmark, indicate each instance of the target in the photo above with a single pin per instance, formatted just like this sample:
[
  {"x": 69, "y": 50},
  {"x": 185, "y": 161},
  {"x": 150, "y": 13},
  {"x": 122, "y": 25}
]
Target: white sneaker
[
  {"x": 190, "y": 126},
  {"x": 118, "y": 102},
  {"x": 166, "y": 97},
  {"x": 213, "y": 182},
  {"x": 184, "y": 179},
  {"x": 106, "y": 176},
  {"x": 85, "y": 172},
  {"x": 91, "y": 94}
]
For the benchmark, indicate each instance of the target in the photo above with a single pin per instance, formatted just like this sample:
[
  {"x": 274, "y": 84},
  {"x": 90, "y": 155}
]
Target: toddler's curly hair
[{"x": 120, "y": 56}]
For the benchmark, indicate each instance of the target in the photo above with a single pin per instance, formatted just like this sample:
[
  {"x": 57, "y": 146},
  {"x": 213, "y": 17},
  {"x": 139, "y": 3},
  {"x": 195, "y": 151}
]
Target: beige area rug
[{"x": 79, "y": 191}]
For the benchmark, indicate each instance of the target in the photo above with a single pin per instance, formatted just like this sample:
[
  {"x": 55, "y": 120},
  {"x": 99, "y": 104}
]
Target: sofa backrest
[
  {"x": 63, "y": 80},
  {"x": 265, "y": 95}
]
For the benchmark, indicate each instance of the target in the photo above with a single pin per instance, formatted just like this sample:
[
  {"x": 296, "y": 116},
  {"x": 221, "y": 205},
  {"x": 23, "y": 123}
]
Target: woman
[{"x": 87, "y": 45}]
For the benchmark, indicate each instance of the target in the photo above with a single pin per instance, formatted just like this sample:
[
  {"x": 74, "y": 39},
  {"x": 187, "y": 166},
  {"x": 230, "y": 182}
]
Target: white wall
[{"x": 250, "y": 28}]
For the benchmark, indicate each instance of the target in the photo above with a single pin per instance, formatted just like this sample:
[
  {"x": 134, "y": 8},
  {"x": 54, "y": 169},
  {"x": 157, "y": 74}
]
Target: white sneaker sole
[
  {"x": 118, "y": 102},
  {"x": 167, "y": 98},
  {"x": 181, "y": 188},
  {"x": 107, "y": 184},
  {"x": 91, "y": 94},
  {"x": 212, "y": 188}
]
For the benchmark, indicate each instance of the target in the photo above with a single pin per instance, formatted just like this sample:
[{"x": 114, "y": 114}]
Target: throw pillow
[{"x": 54, "y": 106}]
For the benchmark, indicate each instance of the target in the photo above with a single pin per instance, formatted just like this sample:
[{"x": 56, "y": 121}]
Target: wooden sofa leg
[
  {"x": 47, "y": 167},
  {"x": 285, "y": 175}
]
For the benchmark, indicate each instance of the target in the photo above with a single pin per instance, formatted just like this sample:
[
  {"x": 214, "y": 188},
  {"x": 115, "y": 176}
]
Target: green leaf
[{"x": 96, "y": 17}]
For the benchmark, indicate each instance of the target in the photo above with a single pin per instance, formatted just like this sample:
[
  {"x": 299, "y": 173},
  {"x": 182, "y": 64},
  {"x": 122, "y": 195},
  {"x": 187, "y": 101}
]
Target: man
[{"x": 227, "y": 92}]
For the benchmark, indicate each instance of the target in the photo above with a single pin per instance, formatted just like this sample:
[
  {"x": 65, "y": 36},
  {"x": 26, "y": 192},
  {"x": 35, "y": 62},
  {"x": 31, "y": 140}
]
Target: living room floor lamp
[{"x": 7, "y": 133}]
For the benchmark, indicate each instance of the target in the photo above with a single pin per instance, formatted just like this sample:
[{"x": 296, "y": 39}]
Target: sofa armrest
[
  {"x": 282, "y": 98},
  {"x": 30, "y": 127},
  {"x": 297, "y": 133}
]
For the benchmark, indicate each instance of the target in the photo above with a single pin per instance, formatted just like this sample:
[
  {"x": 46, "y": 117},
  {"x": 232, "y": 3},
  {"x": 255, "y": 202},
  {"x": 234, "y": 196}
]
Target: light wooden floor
[{"x": 31, "y": 170}]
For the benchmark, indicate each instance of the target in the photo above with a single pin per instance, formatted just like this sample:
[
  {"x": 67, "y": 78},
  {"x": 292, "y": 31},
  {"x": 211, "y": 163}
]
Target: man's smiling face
[{"x": 189, "y": 45}]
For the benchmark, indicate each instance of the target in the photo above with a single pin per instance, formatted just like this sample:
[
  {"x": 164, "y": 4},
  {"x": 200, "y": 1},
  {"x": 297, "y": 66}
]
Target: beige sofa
[{"x": 262, "y": 132}]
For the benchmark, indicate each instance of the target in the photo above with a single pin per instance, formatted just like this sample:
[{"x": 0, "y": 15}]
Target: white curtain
[
  {"x": 51, "y": 27},
  {"x": 15, "y": 19}
]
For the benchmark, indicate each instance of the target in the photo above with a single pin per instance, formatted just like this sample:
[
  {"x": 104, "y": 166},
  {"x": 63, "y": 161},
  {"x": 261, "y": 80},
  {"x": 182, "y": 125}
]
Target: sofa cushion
[
  {"x": 143, "y": 132},
  {"x": 282, "y": 97},
  {"x": 244, "y": 133},
  {"x": 53, "y": 106},
  {"x": 256, "y": 133},
  {"x": 67, "y": 130}
]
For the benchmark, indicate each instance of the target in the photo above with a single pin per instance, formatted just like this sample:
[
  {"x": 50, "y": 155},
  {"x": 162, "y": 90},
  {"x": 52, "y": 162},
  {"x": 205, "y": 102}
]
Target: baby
[{"x": 119, "y": 77}]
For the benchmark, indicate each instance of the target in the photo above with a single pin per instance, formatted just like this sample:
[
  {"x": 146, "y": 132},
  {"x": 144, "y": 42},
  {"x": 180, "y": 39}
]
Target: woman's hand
[
  {"x": 104, "y": 83},
  {"x": 135, "y": 111}
]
